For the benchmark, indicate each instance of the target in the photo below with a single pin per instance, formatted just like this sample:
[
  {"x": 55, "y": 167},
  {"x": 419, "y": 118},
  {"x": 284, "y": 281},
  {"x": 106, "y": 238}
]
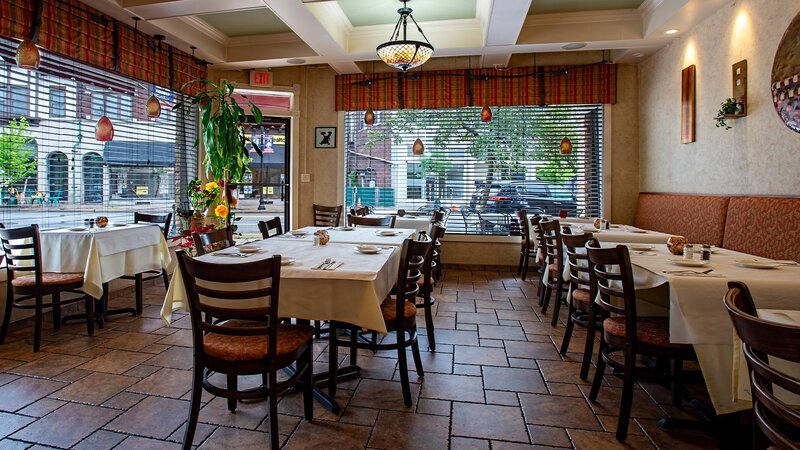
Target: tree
[{"x": 17, "y": 153}]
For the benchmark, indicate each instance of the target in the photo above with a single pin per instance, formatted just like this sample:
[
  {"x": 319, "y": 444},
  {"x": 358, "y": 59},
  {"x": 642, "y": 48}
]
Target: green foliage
[
  {"x": 17, "y": 154},
  {"x": 557, "y": 171},
  {"x": 436, "y": 163},
  {"x": 221, "y": 118}
]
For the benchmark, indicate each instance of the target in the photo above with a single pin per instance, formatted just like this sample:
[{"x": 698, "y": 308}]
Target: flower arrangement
[
  {"x": 185, "y": 240},
  {"x": 202, "y": 197}
]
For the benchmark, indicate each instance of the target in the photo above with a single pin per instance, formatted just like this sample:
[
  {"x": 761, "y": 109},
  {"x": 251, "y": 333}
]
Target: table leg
[{"x": 101, "y": 310}]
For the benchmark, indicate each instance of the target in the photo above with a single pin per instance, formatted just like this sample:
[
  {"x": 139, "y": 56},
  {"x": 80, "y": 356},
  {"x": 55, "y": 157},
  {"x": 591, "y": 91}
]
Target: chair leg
[
  {"x": 273, "y": 410},
  {"x": 308, "y": 383},
  {"x": 56, "y": 299},
  {"x": 588, "y": 348},
  {"x": 403, "y": 367},
  {"x": 429, "y": 324},
  {"x": 677, "y": 385},
  {"x": 569, "y": 328},
  {"x": 557, "y": 301},
  {"x": 417, "y": 358},
  {"x": 37, "y": 324},
  {"x": 519, "y": 266},
  {"x": 89, "y": 307},
  {"x": 548, "y": 292},
  {"x": 598, "y": 372},
  {"x": 333, "y": 359},
  {"x": 194, "y": 406},
  {"x": 139, "y": 294},
  {"x": 233, "y": 385},
  {"x": 6, "y": 313},
  {"x": 627, "y": 396},
  {"x": 317, "y": 329}
]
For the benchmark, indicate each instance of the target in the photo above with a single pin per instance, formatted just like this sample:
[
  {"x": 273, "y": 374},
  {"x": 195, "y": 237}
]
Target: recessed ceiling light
[
  {"x": 574, "y": 46},
  {"x": 671, "y": 31},
  {"x": 638, "y": 55},
  {"x": 296, "y": 61}
]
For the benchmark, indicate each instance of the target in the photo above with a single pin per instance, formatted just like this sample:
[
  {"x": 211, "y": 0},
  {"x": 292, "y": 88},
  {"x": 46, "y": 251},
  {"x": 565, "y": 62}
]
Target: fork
[
  {"x": 324, "y": 263},
  {"x": 698, "y": 272}
]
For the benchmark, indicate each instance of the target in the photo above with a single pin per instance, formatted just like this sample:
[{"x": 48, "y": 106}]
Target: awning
[{"x": 139, "y": 153}]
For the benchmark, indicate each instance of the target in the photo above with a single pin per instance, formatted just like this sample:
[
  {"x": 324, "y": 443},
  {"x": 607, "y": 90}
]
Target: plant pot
[{"x": 197, "y": 221}]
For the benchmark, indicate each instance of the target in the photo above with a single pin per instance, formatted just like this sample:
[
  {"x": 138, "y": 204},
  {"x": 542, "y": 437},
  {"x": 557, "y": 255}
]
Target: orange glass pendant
[
  {"x": 369, "y": 117},
  {"x": 105, "y": 130},
  {"x": 28, "y": 55},
  {"x": 486, "y": 114},
  {"x": 153, "y": 107},
  {"x": 419, "y": 147},
  {"x": 566, "y": 146}
]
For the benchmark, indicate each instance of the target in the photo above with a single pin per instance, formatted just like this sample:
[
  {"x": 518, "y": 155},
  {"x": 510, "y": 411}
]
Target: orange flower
[{"x": 221, "y": 211}]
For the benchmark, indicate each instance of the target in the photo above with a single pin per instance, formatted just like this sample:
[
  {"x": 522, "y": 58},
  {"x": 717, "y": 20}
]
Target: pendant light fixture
[
  {"x": 369, "y": 114},
  {"x": 566, "y": 146},
  {"x": 403, "y": 53},
  {"x": 418, "y": 148},
  {"x": 104, "y": 132},
  {"x": 153, "y": 105},
  {"x": 28, "y": 56},
  {"x": 486, "y": 114}
]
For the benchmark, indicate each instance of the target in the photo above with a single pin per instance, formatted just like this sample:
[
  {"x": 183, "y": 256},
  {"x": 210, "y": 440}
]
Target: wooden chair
[
  {"x": 528, "y": 249},
  {"x": 541, "y": 252},
  {"x": 327, "y": 216},
  {"x": 163, "y": 221},
  {"x": 627, "y": 333},
  {"x": 554, "y": 266},
  {"x": 23, "y": 254},
  {"x": 245, "y": 340},
  {"x": 359, "y": 221},
  {"x": 438, "y": 217},
  {"x": 581, "y": 310},
  {"x": 761, "y": 340},
  {"x": 425, "y": 299},
  {"x": 437, "y": 235},
  {"x": 363, "y": 211},
  {"x": 399, "y": 314},
  {"x": 212, "y": 241},
  {"x": 270, "y": 228}
]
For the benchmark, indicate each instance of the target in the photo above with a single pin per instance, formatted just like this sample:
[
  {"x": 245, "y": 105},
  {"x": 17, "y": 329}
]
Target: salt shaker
[
  {"x": 705, "y": 252},
  {"x": 688, "y": 251},
  {"x": 316, "y": 240}
]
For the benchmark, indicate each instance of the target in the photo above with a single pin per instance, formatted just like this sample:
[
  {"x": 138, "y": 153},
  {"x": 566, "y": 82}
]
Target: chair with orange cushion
[
  {"x": 246, "y": 339},
  {"x": 212, "y": 241},
  {"x": 764, "y": 342},
  {"x": 270, "y": 228},
  {"x": 553, "y": 266},
  {"x": 327, "y": 216},
  {"x": 581, "y": 310},
  {"x": 626, "y": 333},
  {"x": 27, "y": 282},
  {"x": 399, "y": 314}
]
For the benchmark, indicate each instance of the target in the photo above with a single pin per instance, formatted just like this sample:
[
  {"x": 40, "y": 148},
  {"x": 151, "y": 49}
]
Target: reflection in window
[
  {"x": 58, "y": 101},
  {"x": 92, "y": 178},
  {"x": 57, "y": 174}
]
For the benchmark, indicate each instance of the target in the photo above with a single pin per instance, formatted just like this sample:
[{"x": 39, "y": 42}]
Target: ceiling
[{"x": 244, "y": 34}]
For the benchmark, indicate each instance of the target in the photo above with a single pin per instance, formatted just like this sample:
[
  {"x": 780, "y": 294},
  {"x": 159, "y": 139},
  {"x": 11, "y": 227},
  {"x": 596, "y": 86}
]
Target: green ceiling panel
[
  {"x": 248, "y": 22},
  {"x": 379, "y": 12},
  {"x": 568, "y": 6}
]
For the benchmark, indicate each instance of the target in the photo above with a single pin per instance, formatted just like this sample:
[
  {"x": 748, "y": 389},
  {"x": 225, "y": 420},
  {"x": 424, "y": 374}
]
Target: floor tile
[
  {"x": 95, "y": 388},
  {"x": 175, "y": 358},
  {"x": 152, "y": 417},
  {"x": 24, "y": 391},
  {"x": 116, "y": 361},
  {"x": 101, "y": 440},
  {"x": 501, "y": 332},
  {"x": 138, "y": 443},
  {"x": 225, "y": 437},
  {"x": 480, "y": 356},
  {"x": 322, "y": 434},
  {"x": 165, "y": 383},
  {"x": 489, "y": 421},
  {"x": 515, "y": 380},
  {"x": 453, "y": 387},
  {"x": 383, "y": 394},
  {"x": 66, "y": 426},
  {"x": 9, "y": 423},
  {"x": 567, "y": 412},
  {"x": 405, "y": 430},
  {"x": 49, "y": 366},
  {"x": 589, "y": 440}
]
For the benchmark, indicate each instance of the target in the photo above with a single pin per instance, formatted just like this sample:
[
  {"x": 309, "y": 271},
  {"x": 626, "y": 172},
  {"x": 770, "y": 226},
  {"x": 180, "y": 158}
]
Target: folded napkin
[{"x": 333, "y": 265}]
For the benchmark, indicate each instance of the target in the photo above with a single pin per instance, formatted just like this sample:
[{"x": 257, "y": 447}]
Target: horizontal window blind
[
  {"x": 481, "y": 171},
  {"x": 53, "y": 170}
]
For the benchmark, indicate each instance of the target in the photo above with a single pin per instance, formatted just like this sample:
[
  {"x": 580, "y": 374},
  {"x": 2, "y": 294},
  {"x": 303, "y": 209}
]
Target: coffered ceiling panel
[
  {"x": 568, "y": 6},
  {"x": 377, "y": 12},
  {"x": 249, "y": 22}
]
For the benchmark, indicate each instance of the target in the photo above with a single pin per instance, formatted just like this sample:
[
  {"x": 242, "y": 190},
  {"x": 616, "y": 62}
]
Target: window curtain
[
  {"x": 540, "y": 85},
  {"x": 74, "y": 30}
]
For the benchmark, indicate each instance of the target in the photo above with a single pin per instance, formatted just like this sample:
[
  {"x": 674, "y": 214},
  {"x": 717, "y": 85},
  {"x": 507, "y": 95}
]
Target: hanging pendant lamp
[
  {"x": 369, "y": 116},
  {"x": 153, "y": 106},
  {"x": 566, "y": 146},
  {"x": 104, "y": 132},
  {"x": 418, "y": 148},
  {"x": 403, "y": 53},
  {"x": 486, "y": 114},
  {"x": 28, "y": 56}
]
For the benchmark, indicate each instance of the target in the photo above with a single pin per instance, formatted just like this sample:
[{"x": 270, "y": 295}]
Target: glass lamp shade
[
  {"x": 369, "y": 117},
  {"x": 486, "y": 114},
  {"x": 418, "y": 148},
  {"x": 403, "y": 54},
  {"x": 28, "y": 55},
  {"x": 153, "y": 107},
  {"x": 566, "y": 146},
  {"x": 104, "y": 132}
]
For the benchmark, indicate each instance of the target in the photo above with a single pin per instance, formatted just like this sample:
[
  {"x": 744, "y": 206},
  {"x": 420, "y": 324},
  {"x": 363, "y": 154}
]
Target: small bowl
[{"x": 248, "y": 248}]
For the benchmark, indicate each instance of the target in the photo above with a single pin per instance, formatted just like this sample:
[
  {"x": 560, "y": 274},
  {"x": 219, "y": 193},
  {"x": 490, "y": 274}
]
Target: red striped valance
[
  {"x": 540, "y": 85},
  {"x": 77, "y": 31}
]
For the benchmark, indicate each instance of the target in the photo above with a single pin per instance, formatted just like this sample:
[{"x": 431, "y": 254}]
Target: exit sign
[{"x": 260, "y": 77}]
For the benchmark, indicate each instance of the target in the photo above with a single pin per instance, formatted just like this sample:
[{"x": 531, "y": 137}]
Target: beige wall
[
  {"x": 759, "y": 155},
  {"x": 313, "y": 87}
]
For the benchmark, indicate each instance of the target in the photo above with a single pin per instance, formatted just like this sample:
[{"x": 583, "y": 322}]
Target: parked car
[{"x": 507, "y": 197}]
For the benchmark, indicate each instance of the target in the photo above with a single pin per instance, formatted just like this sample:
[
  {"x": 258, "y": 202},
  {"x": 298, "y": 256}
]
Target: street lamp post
[{"x": 261, "y": 203}]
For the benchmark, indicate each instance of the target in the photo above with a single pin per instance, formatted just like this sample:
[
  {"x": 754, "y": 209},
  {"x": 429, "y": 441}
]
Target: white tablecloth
[
  {"x": 419, "y": 223},
  {"x": 103, "y": 254},
  {"x": 357, "y": 235},
  {"x": 622, "y": 233},
  {"x": 352, "y": 293},
  {"x": 698, "y": 315}
]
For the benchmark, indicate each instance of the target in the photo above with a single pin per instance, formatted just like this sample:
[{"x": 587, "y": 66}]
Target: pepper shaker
[
  {"x": 688, "y": 251},
  {"x": 705, "y": 252}
]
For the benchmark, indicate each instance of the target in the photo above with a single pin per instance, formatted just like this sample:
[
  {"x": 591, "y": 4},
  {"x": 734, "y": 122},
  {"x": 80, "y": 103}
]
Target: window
[
  {"x": 58, "y": 174},
  {"x": 58, "y": 101},
  {"x": 481, "y": 172}
]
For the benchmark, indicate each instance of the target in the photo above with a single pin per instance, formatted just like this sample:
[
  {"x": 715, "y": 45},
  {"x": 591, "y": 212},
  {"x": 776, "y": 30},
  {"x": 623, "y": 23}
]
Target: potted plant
[
  {"x": 202, "y": 198},
  {"x": 730, "y": 107},
  {"x": 222, "y": 134}
]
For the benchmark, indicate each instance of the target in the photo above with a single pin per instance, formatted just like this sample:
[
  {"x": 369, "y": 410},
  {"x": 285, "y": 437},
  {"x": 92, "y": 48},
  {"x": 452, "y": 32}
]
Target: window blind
[
  {"x": 481, "y": 172},
  {"x": 54, "y": 172}
]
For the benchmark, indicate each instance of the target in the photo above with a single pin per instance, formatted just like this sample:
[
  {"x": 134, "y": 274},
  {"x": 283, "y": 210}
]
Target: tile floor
[{"x": 496, "y": 381}]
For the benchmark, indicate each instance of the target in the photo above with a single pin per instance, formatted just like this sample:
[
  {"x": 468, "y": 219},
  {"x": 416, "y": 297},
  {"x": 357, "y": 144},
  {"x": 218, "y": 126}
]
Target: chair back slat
[
  {"x": 24, "y": 256},
  {"x": 525, "y": 228},
  {"x": 763, "y": 342},
  {"x": 230, "y": 282},
  {"x": 412, "y": 262},
  {"x": 212, "y": 241},
  {"x": 577, "y": 258},
  {"x": 536, "y": 228},
  {"x": 360, "y": 221},
  {"x": 270, "y": 228},
  {"x": 554, "y": 248},
  {"x": 162, "y": 220},
  {"x": 327, "y": 216},
  {"x": 612, "y": 277}
]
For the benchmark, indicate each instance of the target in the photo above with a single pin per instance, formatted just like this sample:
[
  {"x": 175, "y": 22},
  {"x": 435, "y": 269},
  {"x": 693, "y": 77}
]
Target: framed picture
[{"x": 325, "y": 137}]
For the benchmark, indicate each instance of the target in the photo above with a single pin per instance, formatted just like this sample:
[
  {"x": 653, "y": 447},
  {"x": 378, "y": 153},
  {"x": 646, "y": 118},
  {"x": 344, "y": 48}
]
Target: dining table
[
  {"x": 410, "y": 220},
  {"x": 354, "y": 235}
]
